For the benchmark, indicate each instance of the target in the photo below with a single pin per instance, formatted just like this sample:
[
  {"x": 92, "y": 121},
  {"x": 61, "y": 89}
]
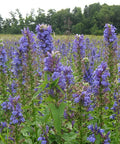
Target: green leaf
[
  {"x": 28, "y": 141},
  {"x": 69, "y": 137},
  {"x": 57, "y": 114},
  {"x": 45, "y": 118},
  {"x": 41, "y": 88},
  {"x": 60, "y": 89},
  {"x": 54, "y": 83},
  {"x": 25, "y": 131},
  {"x": 2, "y": 139},
  {"x": 98, "y": 139}
]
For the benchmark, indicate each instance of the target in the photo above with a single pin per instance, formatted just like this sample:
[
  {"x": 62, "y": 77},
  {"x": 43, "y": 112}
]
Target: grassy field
[{"x": 69, "y": 96}]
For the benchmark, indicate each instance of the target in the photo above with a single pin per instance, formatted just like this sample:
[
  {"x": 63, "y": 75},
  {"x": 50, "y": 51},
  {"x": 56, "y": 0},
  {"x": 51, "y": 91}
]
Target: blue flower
[
  {"x": 55, "y": 70},
  {"x": 91, "y": 138},
  {"x": 77, "y": 99},
  {"x": 90, "y": 127},
  {"x": 2, "y": 126},
  {"x": 15, "y": 109},
  {"x": 100, "y": 76},
  {"x": 110, "y": 36},
  {"x": 84, "y": 97},
  {"x": 97, "y": 130},
  {"x": 79, "y": 45},
  {"x": 44, "y": 37},
  {"x": 55, "y": 75},
  {"x": 3, "y": 60},
  {"x": 42, "y": 139},
  {"x": 52, "y": 63}
]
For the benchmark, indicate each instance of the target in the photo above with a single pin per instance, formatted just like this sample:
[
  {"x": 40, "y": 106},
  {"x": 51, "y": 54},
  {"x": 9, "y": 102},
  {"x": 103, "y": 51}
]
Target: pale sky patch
[{"x": 25, "y": 6}]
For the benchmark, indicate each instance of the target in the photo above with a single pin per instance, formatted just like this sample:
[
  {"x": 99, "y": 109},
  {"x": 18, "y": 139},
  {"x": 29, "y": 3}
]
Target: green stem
[
  {"x": 80, "y": 122},
  {"x": 100, "y": 107},
  {"x": 16, "y": 134}
]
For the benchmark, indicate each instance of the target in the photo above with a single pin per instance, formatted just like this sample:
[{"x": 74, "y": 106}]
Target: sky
[{"x": 25, "y": 6}]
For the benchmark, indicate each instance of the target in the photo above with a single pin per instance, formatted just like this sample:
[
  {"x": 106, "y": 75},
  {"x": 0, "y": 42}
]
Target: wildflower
[
  {"x": 42, "y": 139},
  {"x": 67, "y": 72},
  {"x": 17, "y": 64},
  {"x": 79, "y": 45},
  {"x": 56, "y": 71},
  {"x": 2, "y": 126},
  {"x": 52, "y": 63},
  {"x": 79, "y": 52},
  {"x": 27, "y": 42},
  {"x": 88, "y": 76},
  {"x": 84, "y": 97},
  {"x": 110, "y": 36},
  {"x": 15, "y": 108},
  {"x": 97, "y": 130},
  {"x": 3, "y": 60},
  {"x": 100, "y": 78},
  {"x": 44, "y": 37},
  {"x": 91, "y": 138}
]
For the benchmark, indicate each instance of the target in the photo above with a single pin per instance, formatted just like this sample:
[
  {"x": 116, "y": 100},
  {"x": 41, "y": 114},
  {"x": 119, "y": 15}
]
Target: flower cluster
[
  {"x": 27, "y": 42},
  {"x": 43, "y": 137},
  {"x": 97, "y": 130},
  {"x": 12, "y": 87},
  {"x": 110, "y": 36},
  {"x": 67, "y": 72},
  {"x": 17, "y": 64},
  {"x": 57, "y": 71},
  {"x": 118, "y": 72},
  {"x": 88, "y": 72},
  {"x": 44, "y": 37},
  {"x": 2, "y": 126},
  {"x": 15, "y": 108},
  {"x": 116, "y": 106},
  {"x": 88, "y": 75},
  {"x": 79, "y": 45},
  {"x": 84, "y": 97},
  {"x": 3, "y": 59},
  {"x": 100, "y": 76},
  {"x": 27, "y": 45},
  {"x": 22, "y": 55},
  {"x": 52, "y": 62}
]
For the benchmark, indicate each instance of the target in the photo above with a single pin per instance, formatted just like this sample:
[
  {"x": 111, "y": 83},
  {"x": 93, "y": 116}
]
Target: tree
[
  {"x": 30, "y": 20},
  {"x": 78, "y": 28},
  {"x": 21, "y": 20},
  {"x": 41, "y": 17},
  {"x": 63, "y": 19},
  {"x": 14, "y": 22},
  {"x": 77, "y": 16},
  {"x": 51, "y": 18},
  {"x": 1, "y": 23},
  {"x": 104, "y": 16},
  {"x": 7, "y": 26},
  {"x": 90, "y": 18},
  {"x": 115, "y": 19}
]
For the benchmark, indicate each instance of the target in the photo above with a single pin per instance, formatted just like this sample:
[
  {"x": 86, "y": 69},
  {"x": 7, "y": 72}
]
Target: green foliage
[
  {"x": 64, "y": 21},
  {"x": 57, "y": 114},
  {"x": 78, "y": 28}
]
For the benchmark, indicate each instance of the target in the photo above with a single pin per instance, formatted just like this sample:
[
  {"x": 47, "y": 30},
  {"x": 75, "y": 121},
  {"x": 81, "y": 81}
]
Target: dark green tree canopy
[{"x": 65, "y": 21}]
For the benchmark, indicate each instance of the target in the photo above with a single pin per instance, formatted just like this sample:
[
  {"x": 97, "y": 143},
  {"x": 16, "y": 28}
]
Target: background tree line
[{"x": 90, "y": 21}]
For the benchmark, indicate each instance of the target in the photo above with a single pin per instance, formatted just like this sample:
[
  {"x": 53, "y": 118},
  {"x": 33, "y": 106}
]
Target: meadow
[{"x": 60, "y": 89}]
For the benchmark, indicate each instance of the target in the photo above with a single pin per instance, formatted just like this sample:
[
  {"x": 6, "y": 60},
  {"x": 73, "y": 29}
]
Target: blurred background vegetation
[{"x": 91, "y": 21}]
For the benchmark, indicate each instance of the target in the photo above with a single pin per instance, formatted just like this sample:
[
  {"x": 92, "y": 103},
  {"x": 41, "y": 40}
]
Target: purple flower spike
[
  {"x": 44, "y": 37},
  {"x": 100, "y": 76},
  {"x": 79, "y": 45},
  {"x": 110, "y": 36},
  {"x": 15, "y": 108},
  {"x": 91, "y": 138}
]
